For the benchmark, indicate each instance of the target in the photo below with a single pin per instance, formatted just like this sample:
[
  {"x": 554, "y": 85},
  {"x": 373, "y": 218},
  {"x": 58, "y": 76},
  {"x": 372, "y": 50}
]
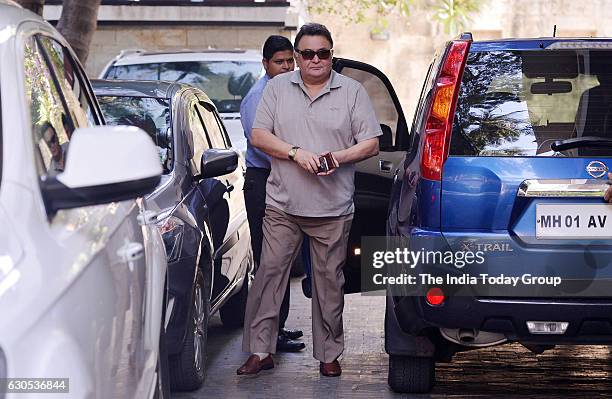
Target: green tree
[
  {"x": 354, "y": 11},
  {"x": 452, "y": 14}
]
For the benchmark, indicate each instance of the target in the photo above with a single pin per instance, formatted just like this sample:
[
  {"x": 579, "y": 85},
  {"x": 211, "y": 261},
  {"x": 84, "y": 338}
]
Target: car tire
[
  {"x": 232, "y": 312},
  {"x": 187, "y": 368},
  {"x": 409, "y": 374},
  {"x": 162, "y": 389}
]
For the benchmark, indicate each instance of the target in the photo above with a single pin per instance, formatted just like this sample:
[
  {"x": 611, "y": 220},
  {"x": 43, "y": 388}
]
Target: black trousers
[{"x": 255, "y": 201}]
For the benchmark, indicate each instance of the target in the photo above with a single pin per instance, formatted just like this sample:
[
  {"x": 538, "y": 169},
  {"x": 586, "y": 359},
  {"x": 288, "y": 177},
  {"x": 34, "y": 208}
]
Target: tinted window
[
  {"x": 212, "y": 127},
  {"x": 225, "y": 82},
  {"x": 199, "y": 138},
  {"x": 150, "y": 114},
  {"x": 517, "y": 103},
  {"x": 71, "y": 83},
  {"x": 385, "y": 110},
  {"x": 51, "y": 128}
]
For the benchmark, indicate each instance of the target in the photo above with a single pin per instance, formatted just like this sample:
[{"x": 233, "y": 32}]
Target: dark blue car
[
  {"x": 199, "y": 209},
  {"x": 507, "y": 159}
]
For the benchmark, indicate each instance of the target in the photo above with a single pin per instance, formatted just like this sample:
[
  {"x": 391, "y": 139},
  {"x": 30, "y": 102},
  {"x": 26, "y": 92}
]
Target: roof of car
[
  {"x": 142, "y": 88},
  {"x": 11, "y": 13},
  {"x": 131, "y": 57},
  {"x": 535, "y": 43}
]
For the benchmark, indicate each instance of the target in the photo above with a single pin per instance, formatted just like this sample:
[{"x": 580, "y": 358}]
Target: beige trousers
[{"x": 282, "y": 237}]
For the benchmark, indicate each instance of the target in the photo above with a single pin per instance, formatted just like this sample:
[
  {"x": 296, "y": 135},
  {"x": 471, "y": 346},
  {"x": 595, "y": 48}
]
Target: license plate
[{"x": 573, "y": 221}]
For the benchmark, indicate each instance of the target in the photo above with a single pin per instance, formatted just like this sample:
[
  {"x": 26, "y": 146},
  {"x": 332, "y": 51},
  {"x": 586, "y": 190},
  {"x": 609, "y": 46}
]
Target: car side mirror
[
  {"x": 217, "y": 162},
  {"x": 104, "y": 164}
]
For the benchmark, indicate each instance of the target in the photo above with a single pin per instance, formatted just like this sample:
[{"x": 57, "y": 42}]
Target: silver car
[{"x": 81, "y": 269}]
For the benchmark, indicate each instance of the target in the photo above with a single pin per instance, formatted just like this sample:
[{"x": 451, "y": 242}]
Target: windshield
[
  {"x": 225, "y": 82},
  {"x": 150, "y": 114},
  {"x": 518, "y": 103}
]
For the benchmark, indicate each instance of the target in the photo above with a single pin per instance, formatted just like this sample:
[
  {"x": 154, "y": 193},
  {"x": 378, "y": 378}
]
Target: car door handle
[
  {"x": 385, "y": 166},
  {"x": 130, "y": 251}
]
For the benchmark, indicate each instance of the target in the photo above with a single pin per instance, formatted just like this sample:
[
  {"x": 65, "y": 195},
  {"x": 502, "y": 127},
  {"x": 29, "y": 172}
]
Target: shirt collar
[{"x": 333, "y": 83}]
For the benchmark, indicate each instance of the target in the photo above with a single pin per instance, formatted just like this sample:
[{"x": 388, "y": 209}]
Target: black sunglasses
[{"x": 308, "y": 54}]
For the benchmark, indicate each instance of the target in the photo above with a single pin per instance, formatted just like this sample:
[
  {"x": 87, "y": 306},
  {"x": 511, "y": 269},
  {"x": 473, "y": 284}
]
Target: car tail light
[
  {"x": 439, "y": 123},
  {"x": 435, "y": 296}
]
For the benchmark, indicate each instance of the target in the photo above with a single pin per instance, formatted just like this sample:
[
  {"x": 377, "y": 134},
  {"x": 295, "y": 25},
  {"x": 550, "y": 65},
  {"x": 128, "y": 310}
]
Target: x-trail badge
[{"x": 596, "y": 169}]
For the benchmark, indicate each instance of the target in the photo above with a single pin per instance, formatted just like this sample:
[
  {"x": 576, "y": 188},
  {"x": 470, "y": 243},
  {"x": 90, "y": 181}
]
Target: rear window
[
  {"x": 225, "y": 82},
  {"x": 150, "y": 114},
  {"x": 517, "y": 103}
]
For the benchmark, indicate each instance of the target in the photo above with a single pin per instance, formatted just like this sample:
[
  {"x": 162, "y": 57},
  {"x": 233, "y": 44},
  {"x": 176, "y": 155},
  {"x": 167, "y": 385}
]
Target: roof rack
[
  {"x": 187, "y": 51},
  {"x": 466, "y": 36},
  {"x": 130, "y": 51}
]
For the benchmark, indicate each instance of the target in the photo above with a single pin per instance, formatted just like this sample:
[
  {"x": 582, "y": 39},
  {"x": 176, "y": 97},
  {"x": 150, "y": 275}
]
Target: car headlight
[{"x": 172, "y": 229}]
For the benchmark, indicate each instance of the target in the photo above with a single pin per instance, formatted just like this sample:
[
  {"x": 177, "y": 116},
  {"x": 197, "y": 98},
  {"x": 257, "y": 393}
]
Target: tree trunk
[
  {"x": 78, "y": 23},
  {"x": 32, "y": 5}
]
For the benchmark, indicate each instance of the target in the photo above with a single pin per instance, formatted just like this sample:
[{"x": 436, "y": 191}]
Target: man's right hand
[{"x": 307, "y": 160}]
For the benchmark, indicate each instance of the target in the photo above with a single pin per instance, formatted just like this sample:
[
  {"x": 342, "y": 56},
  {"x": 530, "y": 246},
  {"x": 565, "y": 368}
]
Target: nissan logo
[{"x": 596, "y": 169}]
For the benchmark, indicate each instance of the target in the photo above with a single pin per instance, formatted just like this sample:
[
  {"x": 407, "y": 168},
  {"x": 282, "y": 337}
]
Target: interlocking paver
[{"x": 502, "y": 371}]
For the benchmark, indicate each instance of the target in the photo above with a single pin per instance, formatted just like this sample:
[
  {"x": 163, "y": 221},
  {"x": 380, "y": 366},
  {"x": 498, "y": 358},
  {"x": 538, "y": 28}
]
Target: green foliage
[
  {"x": 455, "y": 14},
  {"x": 354, "y": 11},
  {"x": 452, "y": 14}
]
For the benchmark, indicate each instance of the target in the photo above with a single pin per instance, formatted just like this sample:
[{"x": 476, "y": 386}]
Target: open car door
[{"x": 374, "y": 177}]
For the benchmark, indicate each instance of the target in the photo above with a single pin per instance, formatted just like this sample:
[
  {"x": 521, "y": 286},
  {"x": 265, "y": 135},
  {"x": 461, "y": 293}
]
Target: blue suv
[{"x": 506, "y": 158}]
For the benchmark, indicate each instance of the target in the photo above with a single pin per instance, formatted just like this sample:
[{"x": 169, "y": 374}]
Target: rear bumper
[{"x": 590, "y": 320}]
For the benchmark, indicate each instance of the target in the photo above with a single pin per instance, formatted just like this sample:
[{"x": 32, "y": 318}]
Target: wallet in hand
[{"x": 326, "y": 163}]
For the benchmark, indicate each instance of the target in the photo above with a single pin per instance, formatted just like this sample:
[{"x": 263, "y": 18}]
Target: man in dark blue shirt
[{"x": 277, "y": 59}]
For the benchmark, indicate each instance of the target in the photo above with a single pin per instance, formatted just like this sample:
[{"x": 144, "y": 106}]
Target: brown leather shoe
[
  {"x": 253, "y": 365},
  {"x": 332, "y": 369}
]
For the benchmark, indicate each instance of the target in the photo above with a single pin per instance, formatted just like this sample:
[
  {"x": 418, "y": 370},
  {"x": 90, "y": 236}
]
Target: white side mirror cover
[{"x": 109, "y": 155}]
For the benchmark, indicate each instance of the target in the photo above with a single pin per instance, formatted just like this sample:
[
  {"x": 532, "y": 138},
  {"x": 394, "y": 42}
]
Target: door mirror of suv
[
  {"x": 216, "y": 162},
  {"x": 104, "y": 164}
]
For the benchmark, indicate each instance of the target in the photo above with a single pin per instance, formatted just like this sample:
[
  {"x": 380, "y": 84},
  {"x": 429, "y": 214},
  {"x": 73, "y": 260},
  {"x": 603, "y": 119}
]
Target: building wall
[{"x": 108, "y": 41}]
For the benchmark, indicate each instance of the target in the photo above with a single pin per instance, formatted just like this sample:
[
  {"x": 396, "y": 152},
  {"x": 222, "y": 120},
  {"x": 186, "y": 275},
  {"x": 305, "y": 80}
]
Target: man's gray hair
[{"x": 313, "y": 29}]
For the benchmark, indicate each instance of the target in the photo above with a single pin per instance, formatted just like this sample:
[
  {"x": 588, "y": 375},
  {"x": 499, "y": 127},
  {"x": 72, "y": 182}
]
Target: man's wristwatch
[{"x": 292, "y": 153}]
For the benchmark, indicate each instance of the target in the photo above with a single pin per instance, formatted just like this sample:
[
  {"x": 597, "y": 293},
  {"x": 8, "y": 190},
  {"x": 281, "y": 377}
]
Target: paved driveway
[{"x": 504, "y": 371}]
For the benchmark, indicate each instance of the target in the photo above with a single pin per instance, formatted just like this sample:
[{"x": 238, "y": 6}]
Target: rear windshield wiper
[{"x": 581, "y": 142}]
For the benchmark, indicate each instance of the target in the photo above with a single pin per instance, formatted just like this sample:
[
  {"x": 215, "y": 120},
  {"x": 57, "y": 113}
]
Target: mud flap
[{"x": 398, "y": 342}]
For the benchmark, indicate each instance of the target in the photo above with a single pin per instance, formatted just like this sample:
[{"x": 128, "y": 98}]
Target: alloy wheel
[{"x": 198, "y": 327}]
